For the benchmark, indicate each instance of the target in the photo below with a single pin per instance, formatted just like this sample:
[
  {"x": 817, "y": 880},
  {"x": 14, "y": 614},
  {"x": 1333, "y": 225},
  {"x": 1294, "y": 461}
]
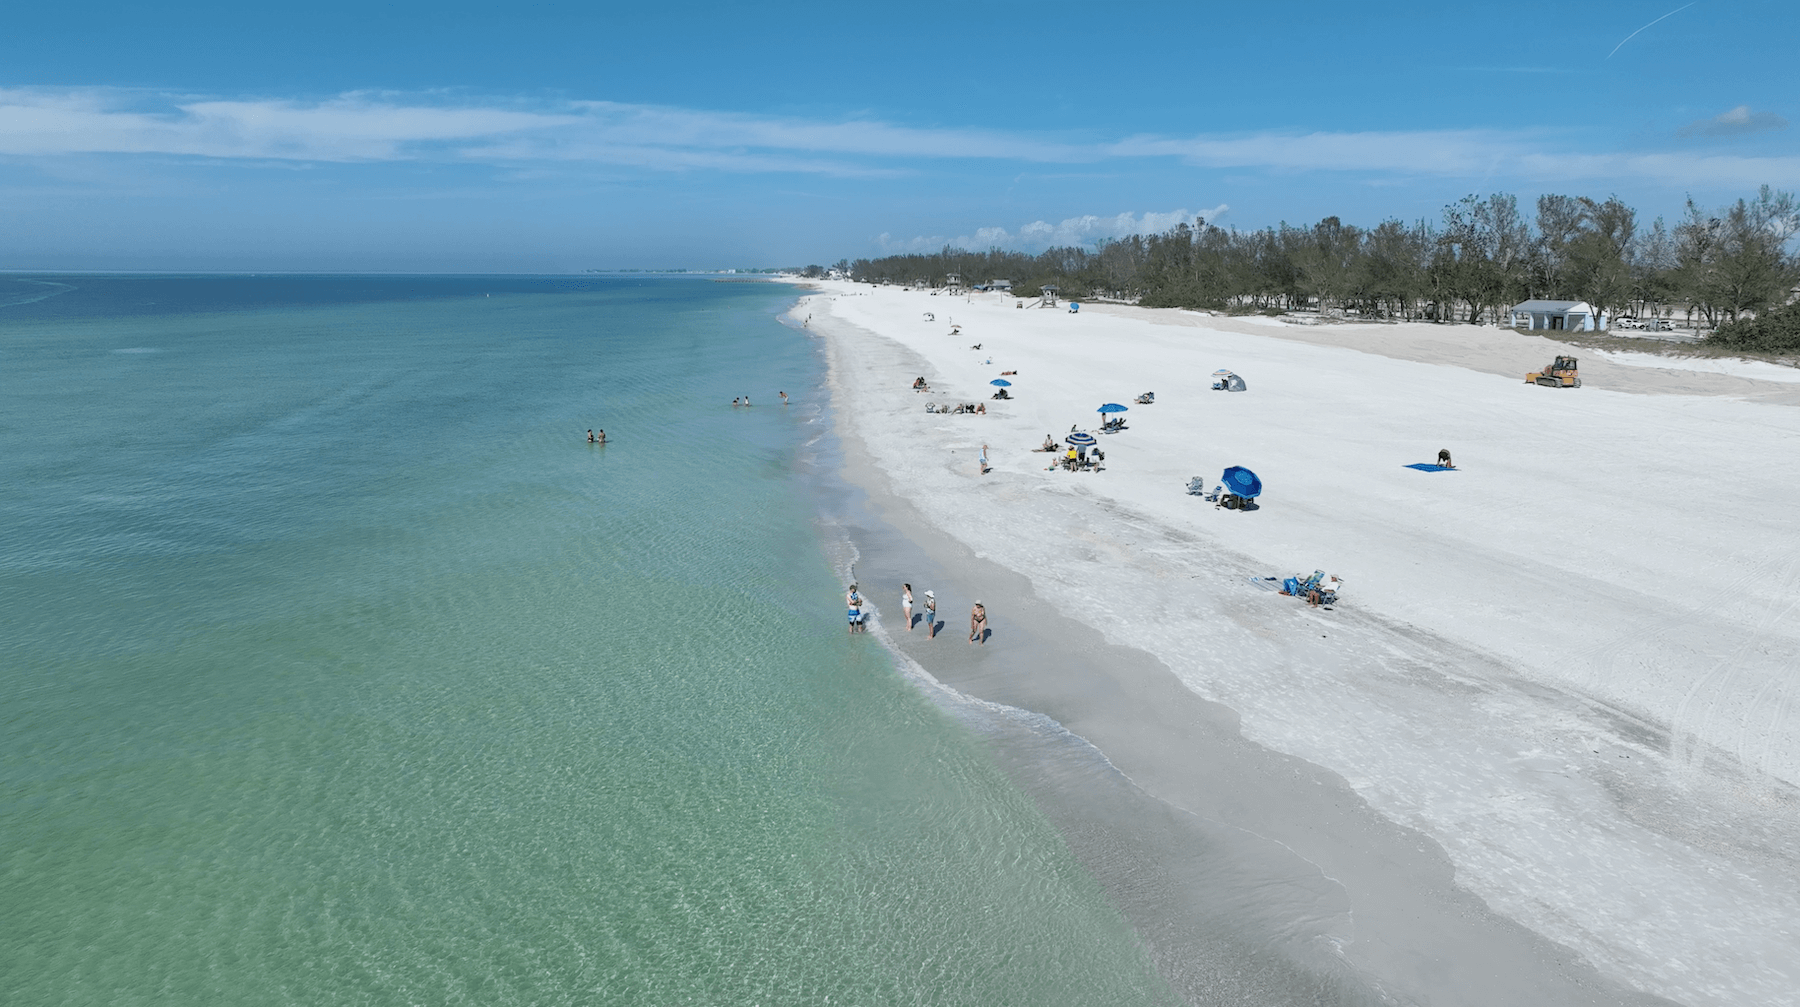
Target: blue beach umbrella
[
  {"x": 1241, "y": 481},
  {"x": 1113, "y": 407},
  {"x": 1002, "y": 382},
  {"x": 1080, "y": 439}
]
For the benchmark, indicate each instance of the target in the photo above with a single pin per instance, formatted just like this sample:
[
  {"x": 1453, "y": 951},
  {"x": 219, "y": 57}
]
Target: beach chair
[{"x": 1146, "y": 398}]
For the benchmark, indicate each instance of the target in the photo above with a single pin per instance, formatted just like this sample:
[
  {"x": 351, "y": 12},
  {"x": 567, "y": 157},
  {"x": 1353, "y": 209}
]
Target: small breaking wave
[{"x": 15, "y": 292}]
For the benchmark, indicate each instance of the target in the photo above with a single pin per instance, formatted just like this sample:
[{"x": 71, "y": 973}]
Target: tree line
[{"x": 1481, "y": 257}]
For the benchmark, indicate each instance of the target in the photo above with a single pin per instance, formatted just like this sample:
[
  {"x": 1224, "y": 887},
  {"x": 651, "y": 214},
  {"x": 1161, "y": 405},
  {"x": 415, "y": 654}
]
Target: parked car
[{"x": 1627, "y": 323}]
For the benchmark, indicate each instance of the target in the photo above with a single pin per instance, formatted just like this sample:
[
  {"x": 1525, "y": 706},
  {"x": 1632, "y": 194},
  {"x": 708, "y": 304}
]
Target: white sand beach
[{"x": 1573, "y": 663}]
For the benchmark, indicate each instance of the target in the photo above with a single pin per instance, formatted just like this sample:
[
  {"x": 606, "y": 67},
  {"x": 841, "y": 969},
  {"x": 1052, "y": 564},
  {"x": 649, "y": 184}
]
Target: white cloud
[
  {"x": 1039, "y": 234},
  {"x": 38, "y": 123},
  {"x": 375, "y": 127},
  {"x": 1736, "y": 122}
]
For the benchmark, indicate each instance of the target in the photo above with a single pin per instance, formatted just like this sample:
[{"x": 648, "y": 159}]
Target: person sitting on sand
[
  {"x": 981, "y": 408},
  {"x": 1008, "y": 374},
  {"x": 1316, "y": 595},
  {"x": 978, "y": 624},
  {"x": 1444, "y": 459},
  {"x": 1049, "y": 443},
  {"x": 1099, "y": 456}
]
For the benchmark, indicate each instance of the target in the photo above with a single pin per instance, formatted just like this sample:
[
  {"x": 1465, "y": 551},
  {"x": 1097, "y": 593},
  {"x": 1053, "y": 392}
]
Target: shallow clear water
[{"x": 335, "y": 666}]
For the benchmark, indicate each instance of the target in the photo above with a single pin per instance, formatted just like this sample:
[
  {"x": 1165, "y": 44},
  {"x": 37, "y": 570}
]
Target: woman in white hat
[{"x": 930, "y": 615}]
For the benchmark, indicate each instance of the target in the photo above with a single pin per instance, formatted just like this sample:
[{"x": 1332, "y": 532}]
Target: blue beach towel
[{"x": 1427, "y": 467}]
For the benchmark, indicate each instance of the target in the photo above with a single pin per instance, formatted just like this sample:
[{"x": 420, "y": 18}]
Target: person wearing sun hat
[{"x": 930, "y": 615}]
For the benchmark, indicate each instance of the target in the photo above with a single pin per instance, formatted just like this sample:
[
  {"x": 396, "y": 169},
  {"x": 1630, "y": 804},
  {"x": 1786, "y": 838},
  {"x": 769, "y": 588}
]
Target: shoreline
[{"x": 1169, "y": 733}]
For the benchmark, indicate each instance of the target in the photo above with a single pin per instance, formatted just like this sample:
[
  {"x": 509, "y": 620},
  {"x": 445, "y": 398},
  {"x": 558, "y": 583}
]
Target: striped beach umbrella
[{"x": 1080, "y": 439}]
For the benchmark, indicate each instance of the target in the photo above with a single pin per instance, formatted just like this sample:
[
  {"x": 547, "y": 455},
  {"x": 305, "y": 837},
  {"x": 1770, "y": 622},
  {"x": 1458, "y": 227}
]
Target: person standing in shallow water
[
  {"x": 784, "y": 398},
  {"x": 591, "y": 436}
]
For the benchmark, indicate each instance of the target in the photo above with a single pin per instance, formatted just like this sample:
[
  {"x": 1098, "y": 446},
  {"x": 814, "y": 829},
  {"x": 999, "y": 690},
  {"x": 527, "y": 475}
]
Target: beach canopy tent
[
  {"x": 1080, "y": 439},
  {"x": 1224, "y": 380},
  {"x": 1001, "y": 383},
  {"x": 1112, "y": 407},
  {"x": 1577, "y": 316},
  {"x": 1242, "y": 481}
]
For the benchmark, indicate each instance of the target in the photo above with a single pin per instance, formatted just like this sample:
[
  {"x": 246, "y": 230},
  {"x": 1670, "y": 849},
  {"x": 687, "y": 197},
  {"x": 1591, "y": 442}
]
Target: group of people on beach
[{"x": 859, "y": 617}]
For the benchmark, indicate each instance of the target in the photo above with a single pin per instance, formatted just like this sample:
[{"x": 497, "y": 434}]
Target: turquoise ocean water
[{"x": 335, "y": 667}]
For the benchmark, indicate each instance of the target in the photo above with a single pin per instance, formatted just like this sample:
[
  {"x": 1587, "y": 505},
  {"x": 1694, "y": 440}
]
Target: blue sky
[{"x": 550, "y": 138}]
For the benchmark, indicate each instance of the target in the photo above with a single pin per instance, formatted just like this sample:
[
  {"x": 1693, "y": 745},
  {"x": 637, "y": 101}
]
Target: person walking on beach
[
  {"x": 906, "y": 604},
  {"x": 931, "y": 615},
  {"x": 853, "y": 601},
  {"x": 978, "y": 624},
  {"x": 984, "y": 461}
]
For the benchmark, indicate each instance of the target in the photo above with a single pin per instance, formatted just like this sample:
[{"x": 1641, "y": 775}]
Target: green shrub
[{"x": 1776, "y": 331}]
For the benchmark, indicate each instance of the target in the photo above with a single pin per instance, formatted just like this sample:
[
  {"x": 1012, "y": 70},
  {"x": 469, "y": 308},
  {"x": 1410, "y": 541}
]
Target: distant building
[
  {"x": 1578, "y": 316},
  {"x": 994, "y": 285}
]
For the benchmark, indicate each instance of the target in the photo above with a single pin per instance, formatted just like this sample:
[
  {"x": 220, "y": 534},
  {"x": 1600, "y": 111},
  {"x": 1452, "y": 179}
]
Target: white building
[{"x": 1574, "y": 315}]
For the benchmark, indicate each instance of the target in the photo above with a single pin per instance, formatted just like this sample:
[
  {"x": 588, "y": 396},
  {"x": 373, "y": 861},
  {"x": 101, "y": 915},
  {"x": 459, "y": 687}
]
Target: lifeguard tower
[
  {"x": 953, "y": 283},
  {"x": 1047, "y": 298}
]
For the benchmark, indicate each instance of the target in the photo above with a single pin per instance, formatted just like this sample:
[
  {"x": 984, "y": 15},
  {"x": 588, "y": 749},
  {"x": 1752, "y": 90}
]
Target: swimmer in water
[{"x": 591, "y": 435}]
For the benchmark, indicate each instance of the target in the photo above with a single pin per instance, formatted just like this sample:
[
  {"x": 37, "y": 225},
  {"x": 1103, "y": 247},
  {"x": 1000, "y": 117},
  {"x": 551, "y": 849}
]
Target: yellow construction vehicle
[{"x": 1561, "y": 374}]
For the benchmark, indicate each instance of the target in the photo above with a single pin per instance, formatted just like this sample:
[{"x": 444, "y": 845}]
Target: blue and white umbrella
[
  {"x": 1242, "y": 481},
  {"x": 1113, "y": 407},
  {"x": 1002, "y": 382},
  {"x": 1080, "y": 439}
]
